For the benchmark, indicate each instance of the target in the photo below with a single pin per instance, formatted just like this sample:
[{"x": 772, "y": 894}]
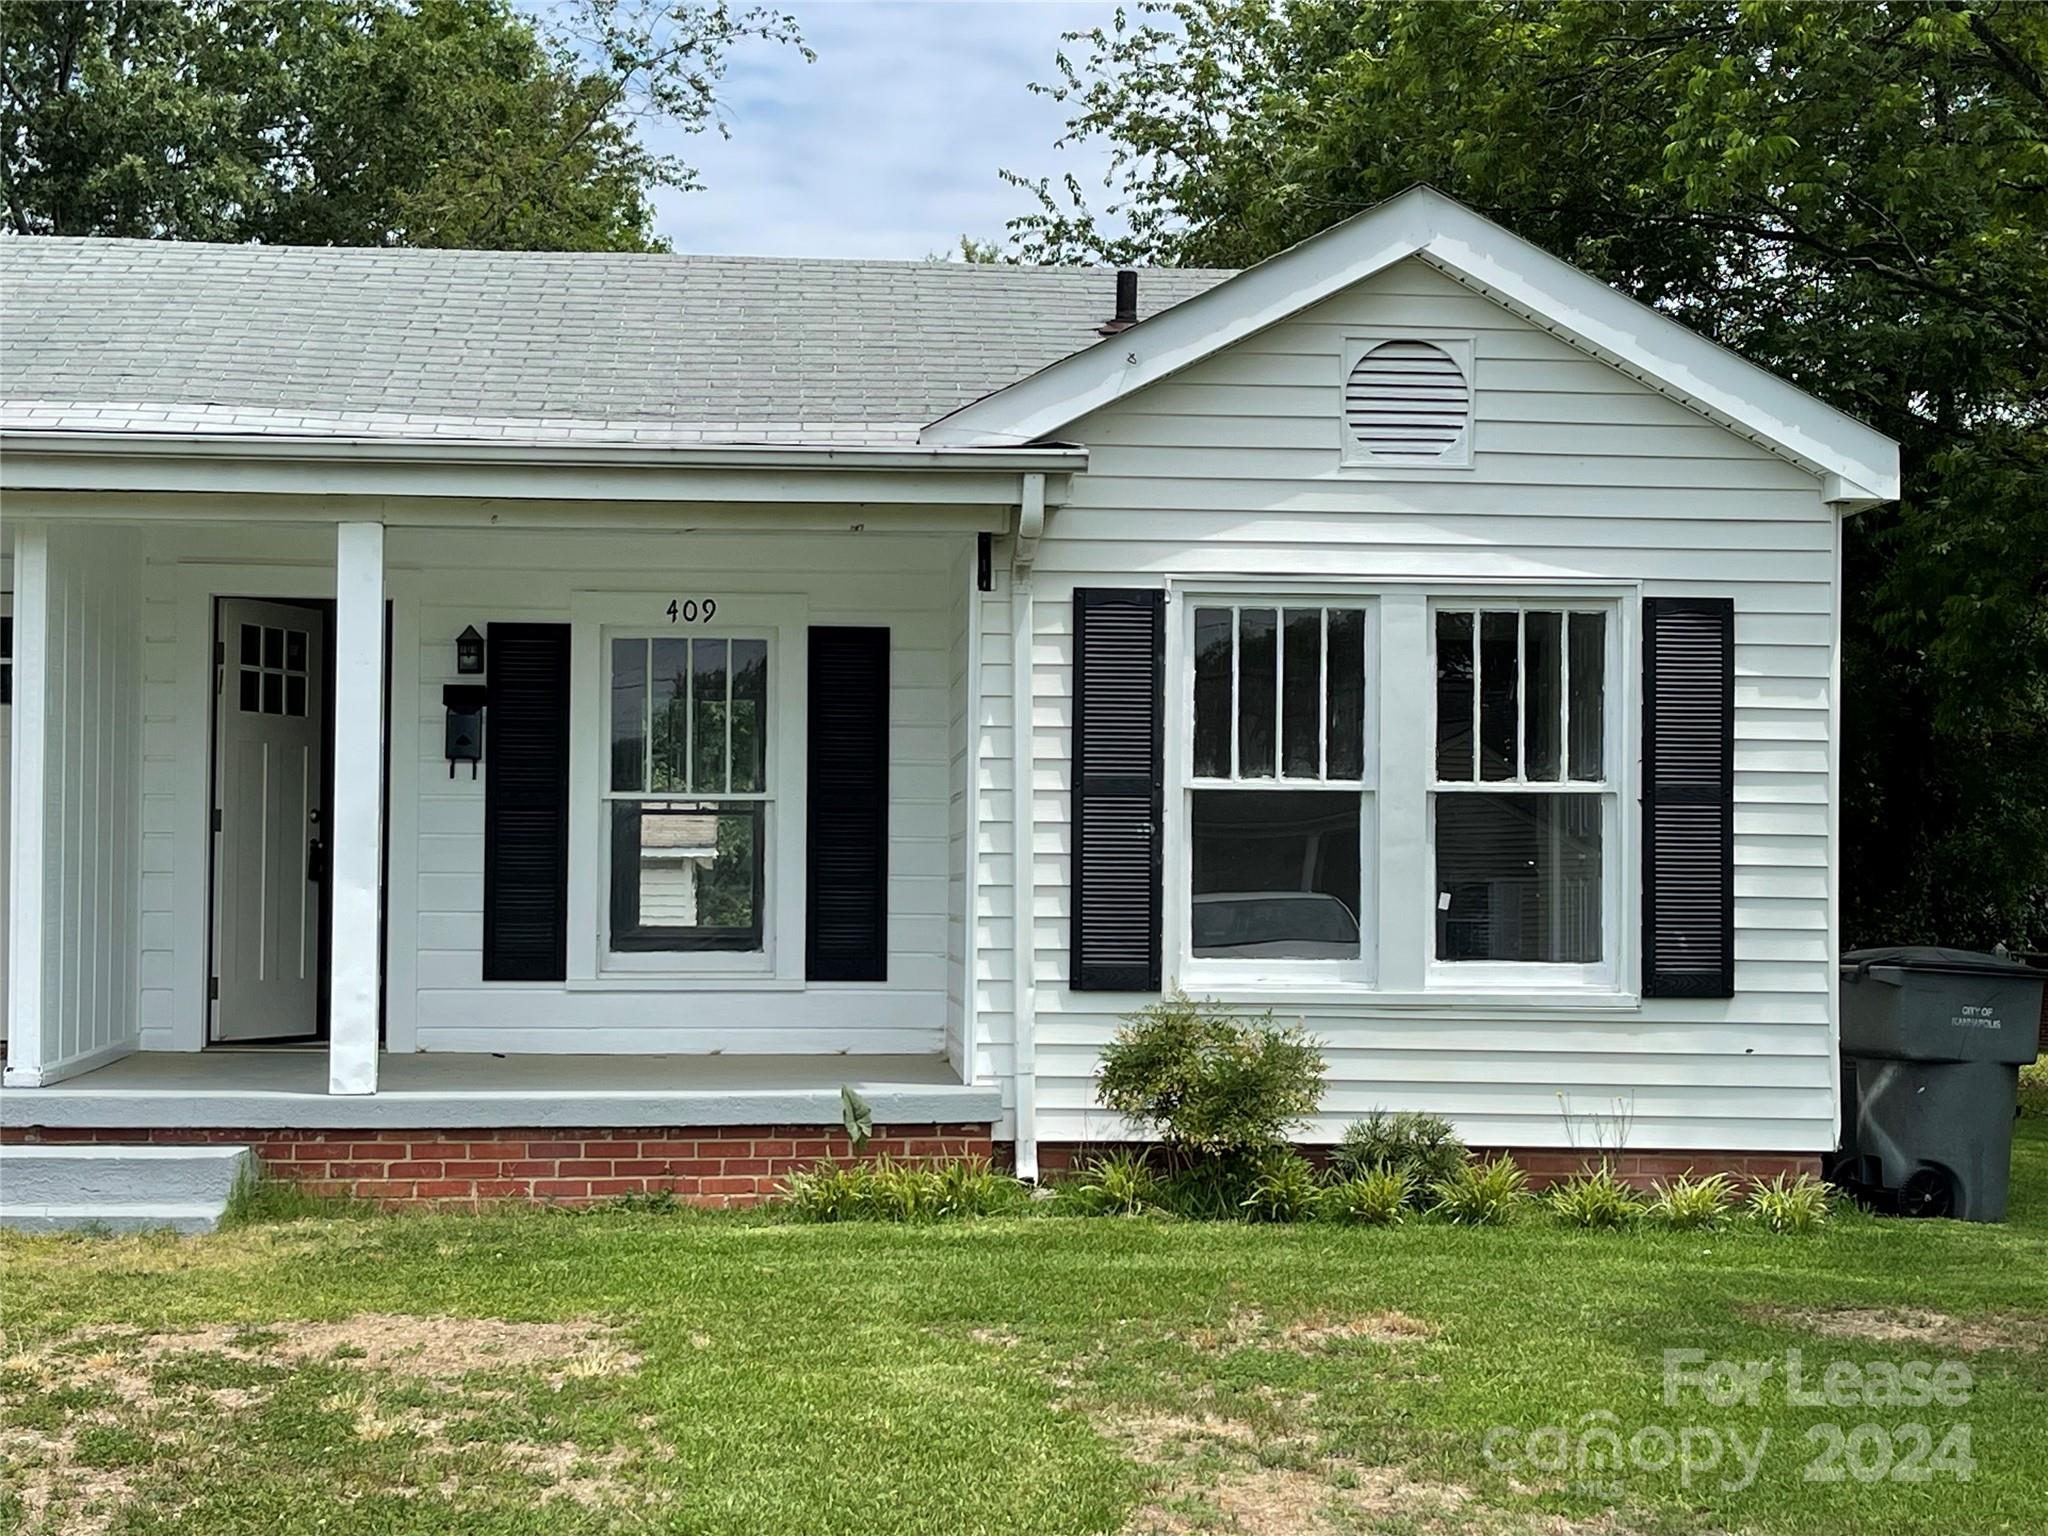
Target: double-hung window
[
  {"x": 1277, "y": 793},
  {"x": 1523, "y": 792},
  {"x": 689, "y": 792}
]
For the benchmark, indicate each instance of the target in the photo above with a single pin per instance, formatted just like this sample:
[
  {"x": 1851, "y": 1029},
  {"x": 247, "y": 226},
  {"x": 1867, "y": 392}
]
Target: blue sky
[{"x": 889, "y": 144}]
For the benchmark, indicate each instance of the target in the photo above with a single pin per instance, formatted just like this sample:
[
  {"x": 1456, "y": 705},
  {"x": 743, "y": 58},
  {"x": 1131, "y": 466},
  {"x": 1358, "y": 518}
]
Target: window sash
[
  {"x": 1278, "y": 778},
  {"x": 645, "y": 792},
  {"x": 1475, "y": 609}
]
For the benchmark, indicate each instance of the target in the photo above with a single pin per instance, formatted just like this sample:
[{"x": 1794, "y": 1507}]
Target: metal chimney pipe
[{"x": 1126, "y": 314}]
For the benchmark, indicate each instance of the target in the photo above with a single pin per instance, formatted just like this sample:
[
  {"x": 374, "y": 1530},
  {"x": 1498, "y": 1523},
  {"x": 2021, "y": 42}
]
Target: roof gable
[{"x": 1857, "y": 464}]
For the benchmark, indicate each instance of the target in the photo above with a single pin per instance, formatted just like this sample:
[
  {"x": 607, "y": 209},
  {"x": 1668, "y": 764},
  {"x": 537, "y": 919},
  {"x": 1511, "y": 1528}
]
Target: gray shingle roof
[{"x": 140, "y": 335}]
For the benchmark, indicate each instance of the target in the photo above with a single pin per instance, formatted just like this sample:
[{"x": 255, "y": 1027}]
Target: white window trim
[
  {"x": 1462, "y": 347},
  {"x": 1398, "y": 969},
  {"x": 1197, "y": 973},
  {"x": 1601, "y": 977},
  {"x": 595, "y": 617}
]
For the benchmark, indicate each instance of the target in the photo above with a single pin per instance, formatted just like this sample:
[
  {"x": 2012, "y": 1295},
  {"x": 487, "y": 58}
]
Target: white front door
[{"x": 268, "y": 858}]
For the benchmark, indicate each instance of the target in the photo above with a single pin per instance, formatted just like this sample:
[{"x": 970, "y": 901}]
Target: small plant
[
  {"x": 1489, "y": 1194},
  {"x": 1595, "y": 1198},
  {"x": 1284, "y": 1189},
  {"x": 1422, "y": 1146},
  {"x": 1687, "y": 1204},
  {"x": 829, "y": 1192},
  {"x": 904, "y": 1191},
  {"x": 1788, "y": 1205},
  {"x": 1116, "y": 1184},
  {"x": 1207, "y": 1083},
  {"x": 1212, "y": 1189},
  {"x": 1377, "y": 1199},
  {"x": 890, "y": 1191},
  {"x": 971, "y": 1187}
]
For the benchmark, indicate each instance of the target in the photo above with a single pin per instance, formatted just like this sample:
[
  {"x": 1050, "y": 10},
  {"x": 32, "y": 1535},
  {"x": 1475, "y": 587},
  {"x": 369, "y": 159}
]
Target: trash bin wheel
[{"x": 1927, "y": 1192}]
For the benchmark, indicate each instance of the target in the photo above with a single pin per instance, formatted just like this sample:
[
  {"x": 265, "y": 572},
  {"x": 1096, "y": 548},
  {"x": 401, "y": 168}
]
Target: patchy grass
[{"x": 336, "y": 1373}]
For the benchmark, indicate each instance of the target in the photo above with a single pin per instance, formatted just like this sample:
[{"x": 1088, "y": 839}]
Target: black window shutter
[
  {"x": 846, "y": 845},
  {"x": 1119, "y": 785},
  {"x": 1688, "y": 797},
  {"x": 526, "y": 803}
]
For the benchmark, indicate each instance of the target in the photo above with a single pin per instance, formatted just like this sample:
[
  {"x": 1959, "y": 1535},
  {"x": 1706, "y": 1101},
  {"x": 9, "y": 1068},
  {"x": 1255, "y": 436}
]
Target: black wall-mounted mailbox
[{"x": 465, "y": 704}]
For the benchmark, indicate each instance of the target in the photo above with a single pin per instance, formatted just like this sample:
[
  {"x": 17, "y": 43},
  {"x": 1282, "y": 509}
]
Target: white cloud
[{"x": 889, "y": 145}]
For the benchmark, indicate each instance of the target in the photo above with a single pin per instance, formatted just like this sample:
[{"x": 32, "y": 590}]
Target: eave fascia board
[
  {"x": 920, "y": 474},
  {"x": 1579, "y": 309}
]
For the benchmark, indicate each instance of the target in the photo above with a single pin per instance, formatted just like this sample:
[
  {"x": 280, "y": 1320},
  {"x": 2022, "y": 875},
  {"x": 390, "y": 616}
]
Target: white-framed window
[
  {"x": 689, "y": 792},
  {"x": 1276, "y": 788},
  {"x": 686, "y": 797},
  {"x": 1524, "y": 803}
]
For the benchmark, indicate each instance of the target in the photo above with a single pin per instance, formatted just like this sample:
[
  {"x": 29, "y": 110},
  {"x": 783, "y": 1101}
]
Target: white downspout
[{"x": 1023, "y": 982}]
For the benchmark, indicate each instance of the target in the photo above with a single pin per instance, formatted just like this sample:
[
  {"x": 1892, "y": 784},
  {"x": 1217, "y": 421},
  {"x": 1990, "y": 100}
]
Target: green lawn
[{"x": 620, "y": 1371}]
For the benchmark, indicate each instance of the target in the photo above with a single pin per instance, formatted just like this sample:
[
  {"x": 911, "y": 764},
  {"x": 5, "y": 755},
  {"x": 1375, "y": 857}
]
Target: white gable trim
[{"x": 1859, "y": 464}]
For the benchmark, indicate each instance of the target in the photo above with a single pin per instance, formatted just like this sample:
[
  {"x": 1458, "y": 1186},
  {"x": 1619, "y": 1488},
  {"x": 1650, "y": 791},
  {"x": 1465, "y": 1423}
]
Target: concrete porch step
[{"x": 122, "y": 1188}]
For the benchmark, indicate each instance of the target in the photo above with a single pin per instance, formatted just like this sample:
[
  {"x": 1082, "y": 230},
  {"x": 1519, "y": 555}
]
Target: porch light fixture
[{"x": 469, "y": 652}]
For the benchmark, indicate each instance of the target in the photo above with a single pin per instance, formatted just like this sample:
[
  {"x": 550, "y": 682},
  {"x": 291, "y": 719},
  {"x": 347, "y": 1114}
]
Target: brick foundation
[
  {"x": 705, "y": 1165},
  {"x": 1544, "y": 1165}
]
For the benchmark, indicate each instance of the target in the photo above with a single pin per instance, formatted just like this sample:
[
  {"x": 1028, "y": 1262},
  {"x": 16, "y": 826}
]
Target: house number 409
[{"x": 691, "y": 610}]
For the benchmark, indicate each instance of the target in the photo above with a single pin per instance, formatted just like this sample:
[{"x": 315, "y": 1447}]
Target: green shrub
[
  {"x": 1207, "y": 1084},
  {"x": 1422, "y": 1146},
  {"x": 1117, "y": 1184},
  {"x": 890, "y": 1191},
  {"x": 1377, "y": 1199},
  {"x": 1788, "y": 1205},
  {"x": 2034, "y": 1087},
  {"x": 1286, "y": 1188},
  {"x": 1213, "y": 1189},
  {"x": 1594, "y": 1198},
  {"x": 1489, "y": 1194},
  {"x": 1687, "y": 1204}
]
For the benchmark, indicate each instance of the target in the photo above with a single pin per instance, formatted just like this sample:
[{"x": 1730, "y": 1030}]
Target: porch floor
[{"x": 286, "y": 1088}]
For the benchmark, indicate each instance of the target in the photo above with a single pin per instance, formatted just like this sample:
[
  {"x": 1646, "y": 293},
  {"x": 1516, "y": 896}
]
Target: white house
[{"x": 480, "y": 715}]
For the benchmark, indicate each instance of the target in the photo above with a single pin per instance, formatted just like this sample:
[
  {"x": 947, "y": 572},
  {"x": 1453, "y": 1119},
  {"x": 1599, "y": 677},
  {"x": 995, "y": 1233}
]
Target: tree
[
  {"x": 1854, "y": 196},
  {"x": 357, "y": 122}
]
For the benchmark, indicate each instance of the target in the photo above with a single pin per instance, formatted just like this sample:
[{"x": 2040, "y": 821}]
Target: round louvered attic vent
[{"x": 1408, "y": 402}]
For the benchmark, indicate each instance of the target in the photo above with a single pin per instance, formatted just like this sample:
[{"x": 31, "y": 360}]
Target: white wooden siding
[
  {"x": 1578, "y": 473},
  {"x": 84, "y": 610}
]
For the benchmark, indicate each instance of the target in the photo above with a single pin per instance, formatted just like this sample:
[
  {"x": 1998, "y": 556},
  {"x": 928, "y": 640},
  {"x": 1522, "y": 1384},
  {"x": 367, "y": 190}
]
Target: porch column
[
  {"x": 356, "y": 818},
  {"x": 24, "y": 874}
]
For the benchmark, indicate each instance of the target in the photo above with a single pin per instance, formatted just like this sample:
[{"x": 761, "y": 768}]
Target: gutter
[
  {"x": 325, "y": 448},
  {"x": 1023, "y": 831}
]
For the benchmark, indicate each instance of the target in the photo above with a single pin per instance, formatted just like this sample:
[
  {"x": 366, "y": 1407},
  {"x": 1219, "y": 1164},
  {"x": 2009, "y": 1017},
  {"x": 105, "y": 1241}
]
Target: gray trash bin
[{"x": 1932, "y": 1043}]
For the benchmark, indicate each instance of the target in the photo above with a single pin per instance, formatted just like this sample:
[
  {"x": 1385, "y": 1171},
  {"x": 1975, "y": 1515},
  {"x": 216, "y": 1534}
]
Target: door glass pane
[
  {"x": 707, "y": 694},
  {"x": 1257, "y": 699},
  {"x": 1542, "y": 724},
  {"x": 252, "y": 645},
  {"x": 629, "y": 713},
  {"x": 273, "y": 693},
  {"x": 295, "y": 695},
  {"x": 250, "y": 695},
  {"x": 686, "y": 877},
  {"x": 295, "y": 649},
  {"x": 749, "y": 716},
  {"x": 1347, "y": 693},
  {"x": 1454, "y": 696},
  {"x": 668, "y": 713},
  {"x": 1497, "y": 694},
  {"x": 1276, "y": 874},
  {"x": 1301, "y": 703},
  {"x": 1212, "y": 693},
  {"x": 1518, "y": 877},
  {"x": 273, "y": 647},
  {"x": 1589, "y": 688}
]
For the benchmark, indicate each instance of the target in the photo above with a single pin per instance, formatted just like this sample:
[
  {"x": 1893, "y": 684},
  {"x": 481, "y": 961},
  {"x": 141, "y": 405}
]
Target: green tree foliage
[
  {"x": 1854, "y": 196},
  {"x": 357, "y": 122}
]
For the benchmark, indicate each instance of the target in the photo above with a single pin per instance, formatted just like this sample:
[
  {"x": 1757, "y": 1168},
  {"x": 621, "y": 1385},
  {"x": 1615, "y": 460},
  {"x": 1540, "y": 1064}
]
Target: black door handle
[{"x": 316, "y": 861}]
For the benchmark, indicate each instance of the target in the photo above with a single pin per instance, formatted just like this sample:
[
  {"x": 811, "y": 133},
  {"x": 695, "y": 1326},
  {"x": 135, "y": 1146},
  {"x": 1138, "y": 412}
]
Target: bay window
[
  {"x": 1522, "y": 795},
  {"x": 1276, "y": 792}
]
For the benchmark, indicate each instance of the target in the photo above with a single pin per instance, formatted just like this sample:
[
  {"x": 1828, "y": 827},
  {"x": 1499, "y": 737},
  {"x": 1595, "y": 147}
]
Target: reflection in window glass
[
  {"x": 749, "y": 716},
  {"x": 1276, "y": 875},
  {"x": 708, "y": 713},
  {"x": 1498, "y": 704},
  {"x": 1454, "y": 696},
  {"x": 1346, "y": 705},
  {"x": 1518, "y": 877},
  {"x": 668, "y": 715},
  {"x": 1588, "y": 692},
  {"x": 686, "y": 876},
  {"x": 629, "y": 711},
  {"x": 1213, "y": 652},
  {"x": 1258, "y": 685},
  {"x": 1542, "y": 657},
  {"x": 1301, "y": 701}
]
